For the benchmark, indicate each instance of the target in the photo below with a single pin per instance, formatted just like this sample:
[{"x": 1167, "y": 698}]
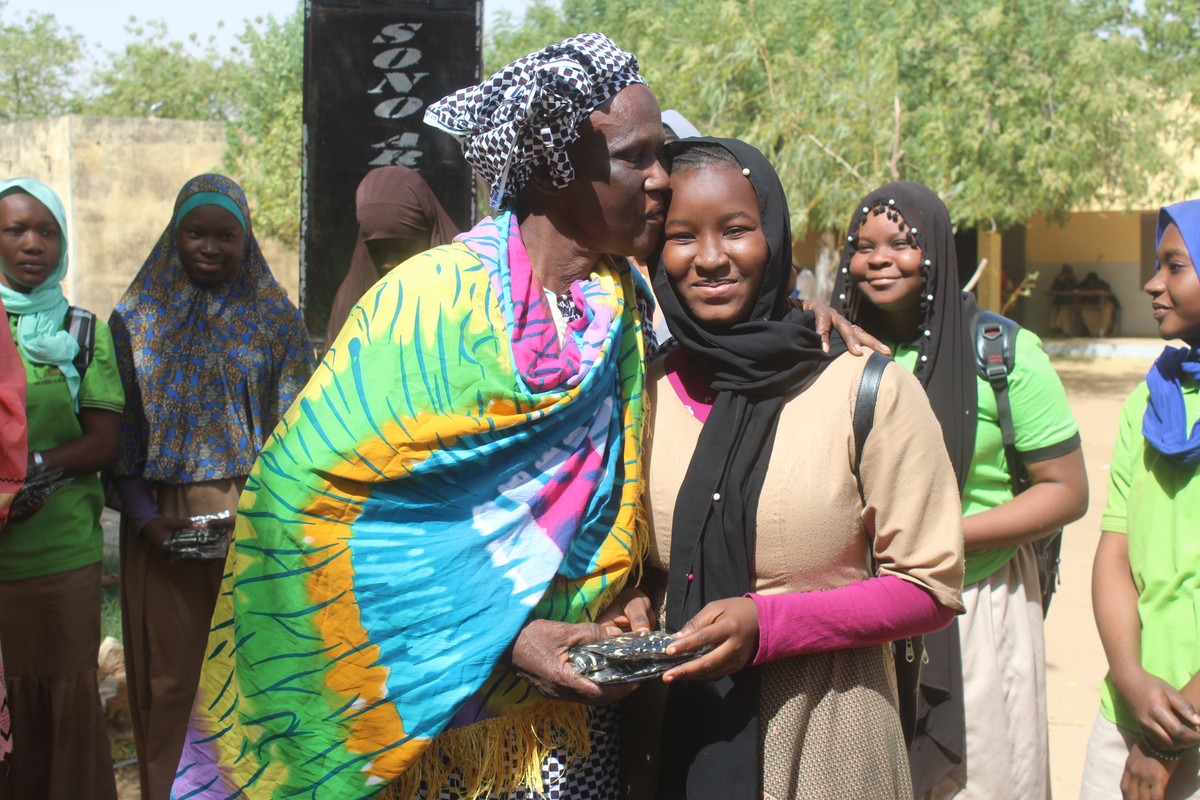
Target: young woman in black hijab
[
  {"x": 766, "y": 547},
  {"x": 898, "y": 279}
]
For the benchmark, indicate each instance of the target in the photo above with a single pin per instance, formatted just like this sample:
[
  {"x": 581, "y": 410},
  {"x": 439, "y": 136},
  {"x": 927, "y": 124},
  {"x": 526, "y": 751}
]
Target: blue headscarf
[
  {"x": 208, "y": 370},
  {"x": 1165, "y": 422},
  {"x": 40, "y": 332}
]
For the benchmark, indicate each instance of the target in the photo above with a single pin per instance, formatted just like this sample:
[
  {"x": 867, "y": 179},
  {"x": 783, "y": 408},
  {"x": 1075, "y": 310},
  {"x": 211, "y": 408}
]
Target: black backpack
[{"x": 995, "y": 339}]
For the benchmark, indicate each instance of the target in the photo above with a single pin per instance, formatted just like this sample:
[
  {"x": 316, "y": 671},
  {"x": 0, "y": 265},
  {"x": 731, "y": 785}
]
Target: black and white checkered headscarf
[{"x": 527, "y": 113}]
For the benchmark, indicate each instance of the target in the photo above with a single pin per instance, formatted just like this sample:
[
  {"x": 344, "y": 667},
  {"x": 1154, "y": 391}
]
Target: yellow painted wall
[
  {"x": 118, "y": 178},
  {"x": 804, "y": 251},
  {"x": 1087, "y": 236}
]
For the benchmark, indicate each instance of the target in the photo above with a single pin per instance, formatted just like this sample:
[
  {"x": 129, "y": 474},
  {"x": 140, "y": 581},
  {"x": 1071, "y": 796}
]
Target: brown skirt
[
  {"x": 50, "y": 627},
  {"x": 166, "y": 612}
]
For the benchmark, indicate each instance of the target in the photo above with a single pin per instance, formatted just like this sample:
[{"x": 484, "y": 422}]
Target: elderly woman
[
  {"x": 453, "y": 498},
  {"x": 50, "y": 557},
  {"x": 398, "y": 217},
  {"x": 211, "y": 353}
]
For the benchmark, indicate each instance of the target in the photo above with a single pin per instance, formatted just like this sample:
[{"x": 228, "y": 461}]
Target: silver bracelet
[{"x": 37, "y": 458}]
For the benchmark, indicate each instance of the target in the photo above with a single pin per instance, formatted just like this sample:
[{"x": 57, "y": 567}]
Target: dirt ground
[{"x": 1096, "y": 389}]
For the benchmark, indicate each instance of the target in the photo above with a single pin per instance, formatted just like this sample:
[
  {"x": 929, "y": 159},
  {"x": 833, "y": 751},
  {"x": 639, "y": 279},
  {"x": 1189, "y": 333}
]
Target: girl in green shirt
[
  {"x": 1146, "y": 576},
  {"x": 50, "y": 556},
  {"x": 985, "y": 731}
]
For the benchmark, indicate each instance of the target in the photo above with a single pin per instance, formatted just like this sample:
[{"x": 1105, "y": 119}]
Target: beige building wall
[
  {"x": 118, "y": 178},
  {"x": 1107, "y": 243}
]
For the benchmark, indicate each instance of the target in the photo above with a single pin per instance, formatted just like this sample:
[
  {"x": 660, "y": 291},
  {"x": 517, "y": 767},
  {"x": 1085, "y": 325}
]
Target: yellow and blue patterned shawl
[{"x": 450, "y": 470}]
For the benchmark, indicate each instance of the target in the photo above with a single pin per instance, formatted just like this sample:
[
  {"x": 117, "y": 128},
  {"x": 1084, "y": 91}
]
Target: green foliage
[
  {"x": 40, "y": 59},
  {"x": 1008, "y": 110},
  {"x": 161, "y": 78},
  {"x": 265, "y": 137}
]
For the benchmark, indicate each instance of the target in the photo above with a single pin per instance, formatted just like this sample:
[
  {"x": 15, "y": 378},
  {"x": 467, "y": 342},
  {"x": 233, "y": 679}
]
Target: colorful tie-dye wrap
[{"x": 449, "y": 470}]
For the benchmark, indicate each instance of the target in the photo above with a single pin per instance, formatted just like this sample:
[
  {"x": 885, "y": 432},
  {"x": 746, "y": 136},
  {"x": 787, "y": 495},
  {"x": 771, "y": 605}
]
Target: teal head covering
[{"x": 40, "y": 333}]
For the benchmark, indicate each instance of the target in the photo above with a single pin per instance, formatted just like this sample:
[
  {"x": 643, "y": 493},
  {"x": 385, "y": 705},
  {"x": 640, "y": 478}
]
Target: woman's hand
[
  {"x": 731, "y": 625},
  {"x": 1145, "y": 777},
  {"x": 539, "y": 656},
  {"x": 27, "y": 511},
  {"x": 631, "y": 611},
  {"x": 855, "y": 337},
  {"x": 95, "y": 449},
  {"x": 226, "y": 525},
  {"x": 1163, "y": 713},
  {"x": 159, "y": 529}
]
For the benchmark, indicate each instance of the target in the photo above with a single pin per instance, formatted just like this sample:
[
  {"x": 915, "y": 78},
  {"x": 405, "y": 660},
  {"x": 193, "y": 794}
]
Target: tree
[
  {"x": 265, "y": 135},
  {"x": 1007, "y": 110},
  {"x": 40, "y": 59},
  {"x": 154, "y": 77}
]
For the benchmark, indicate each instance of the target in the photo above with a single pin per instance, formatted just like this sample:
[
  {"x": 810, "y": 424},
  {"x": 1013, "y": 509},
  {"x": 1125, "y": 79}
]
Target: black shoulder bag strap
[
  {"x": 995, "y": 355},
  {"x": 909, "y": 655}
]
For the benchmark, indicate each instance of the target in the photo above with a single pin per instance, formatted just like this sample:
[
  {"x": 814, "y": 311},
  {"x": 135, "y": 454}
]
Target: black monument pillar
[{"x": 371, "y": 67}]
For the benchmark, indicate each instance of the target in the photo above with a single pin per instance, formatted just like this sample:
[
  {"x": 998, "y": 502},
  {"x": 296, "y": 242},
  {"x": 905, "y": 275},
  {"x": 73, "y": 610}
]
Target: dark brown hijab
[{"x": 391, "y": 203}]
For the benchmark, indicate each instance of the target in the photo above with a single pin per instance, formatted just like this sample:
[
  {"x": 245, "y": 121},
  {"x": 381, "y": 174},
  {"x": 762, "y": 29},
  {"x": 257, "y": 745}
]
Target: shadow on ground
[{"x": 1099, "y": 377}]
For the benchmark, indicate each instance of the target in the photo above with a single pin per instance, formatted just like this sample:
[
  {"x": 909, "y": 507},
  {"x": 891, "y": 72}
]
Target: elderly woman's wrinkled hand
[
  {"x": 631, "y": 611},
  {"x": 855, "y": 337},
  {"x": 539, "y": 656},
  {"x": 730, "y": 625}
]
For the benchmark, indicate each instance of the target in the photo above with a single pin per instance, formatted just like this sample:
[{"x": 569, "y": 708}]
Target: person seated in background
[
  {"x": 1098, "y": 305},
  {"x": 1063, "y": 314},
  {"x": 398, "y": 217}
]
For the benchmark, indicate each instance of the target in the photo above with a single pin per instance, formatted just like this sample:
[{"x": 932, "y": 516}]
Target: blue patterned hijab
[
  {"x": 1165, "y": 422},
  {"x": 208, "y": 371}
]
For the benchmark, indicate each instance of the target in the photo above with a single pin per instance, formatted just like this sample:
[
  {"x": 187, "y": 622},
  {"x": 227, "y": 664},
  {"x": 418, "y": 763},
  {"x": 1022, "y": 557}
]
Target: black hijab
[
  {"x": 946, "y": 368},
  {"x": 945, "y": 354},
  {"x": 710, "y": 742}
]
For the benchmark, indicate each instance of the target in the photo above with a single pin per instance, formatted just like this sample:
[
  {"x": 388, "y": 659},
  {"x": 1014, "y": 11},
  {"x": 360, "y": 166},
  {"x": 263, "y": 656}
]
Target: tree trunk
[{"x": 828, "y": 254}]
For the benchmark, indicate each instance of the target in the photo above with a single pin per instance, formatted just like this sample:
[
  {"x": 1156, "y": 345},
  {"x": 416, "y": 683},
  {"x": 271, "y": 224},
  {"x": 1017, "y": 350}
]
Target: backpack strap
[
  {"x": 908, "y": 657},
  {"x": 81, "y": 324},
  {"x": 995, "y": 355}
]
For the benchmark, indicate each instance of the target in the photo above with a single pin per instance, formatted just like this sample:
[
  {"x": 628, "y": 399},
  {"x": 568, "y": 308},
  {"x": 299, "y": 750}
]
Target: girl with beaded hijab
[
  {"x": 1144, "y": 579},
  {"x": 799, "y": 591},
  {"x": 898, "y": 279}
]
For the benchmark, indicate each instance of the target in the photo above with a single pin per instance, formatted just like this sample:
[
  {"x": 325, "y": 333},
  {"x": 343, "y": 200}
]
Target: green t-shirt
[
  {"x": 65, "y": 533},
  {"x": 1044, "y": 425},
  {"x": 1156, "y": 505}
]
